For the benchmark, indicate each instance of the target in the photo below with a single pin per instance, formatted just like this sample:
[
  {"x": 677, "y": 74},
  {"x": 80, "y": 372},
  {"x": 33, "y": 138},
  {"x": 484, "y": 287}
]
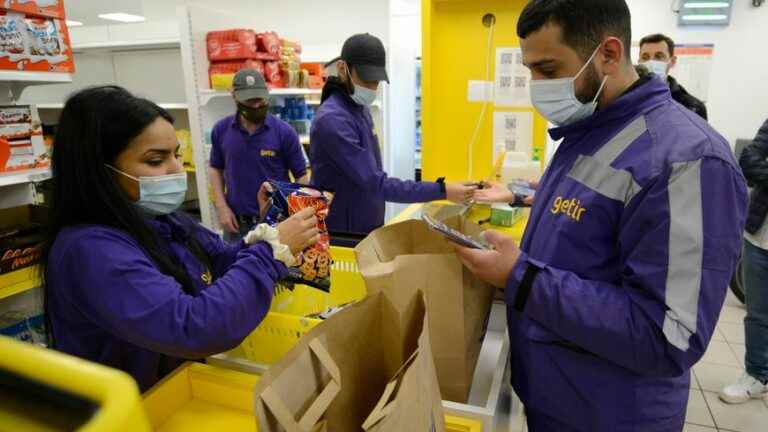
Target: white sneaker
[{"x": 744, "y": 389}]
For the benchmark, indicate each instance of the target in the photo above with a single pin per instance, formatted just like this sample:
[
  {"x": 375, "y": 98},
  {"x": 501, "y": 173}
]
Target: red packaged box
[
  {"x": 313, "y": 68},
  {"x": 236, "y": 44},
  {"x": 272, "y": 73},
  {"x": 316, "y": 82},
  {"x": 41, "y": 8},
  {"x": 34, "y": 44},
  {"x": 269, "y": 42}
]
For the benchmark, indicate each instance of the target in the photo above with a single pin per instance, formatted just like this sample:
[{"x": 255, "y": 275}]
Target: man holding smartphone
[{"x": 634, "y": 234}]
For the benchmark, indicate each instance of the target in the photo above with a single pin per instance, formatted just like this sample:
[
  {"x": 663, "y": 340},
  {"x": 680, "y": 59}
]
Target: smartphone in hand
[{"x": 453, "y": 235}]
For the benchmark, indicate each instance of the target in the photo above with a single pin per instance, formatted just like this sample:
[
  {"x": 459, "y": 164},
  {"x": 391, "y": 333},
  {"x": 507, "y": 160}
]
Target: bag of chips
[{"x": 314, "y": 263}]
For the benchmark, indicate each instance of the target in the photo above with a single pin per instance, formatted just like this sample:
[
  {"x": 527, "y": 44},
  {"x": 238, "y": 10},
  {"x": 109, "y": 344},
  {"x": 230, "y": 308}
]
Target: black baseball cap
[
  {"x": 367, "y": 56},
  {"x": 249, "y": 84}
]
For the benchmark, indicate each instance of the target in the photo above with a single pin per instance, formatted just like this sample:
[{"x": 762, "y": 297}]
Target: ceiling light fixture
[
  {"x": 73, "y": 23},
  {"x": 122, "y": 17},
  {"x": 705, "y": 17},
  {"x": 706, "y": 5}
]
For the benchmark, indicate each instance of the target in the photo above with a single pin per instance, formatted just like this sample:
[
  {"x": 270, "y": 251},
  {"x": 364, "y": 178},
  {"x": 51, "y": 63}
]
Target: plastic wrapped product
[{"x": 314, "y": 263}]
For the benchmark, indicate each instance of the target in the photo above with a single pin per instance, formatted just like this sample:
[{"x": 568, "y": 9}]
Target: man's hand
[
  {"x": 492, "y": 266},
  {"x": 495, "y": 193},
  {"x": 263, "y": 198},
  {"x": 227, "y": 219},
  {"x": 460, "y": 193}
]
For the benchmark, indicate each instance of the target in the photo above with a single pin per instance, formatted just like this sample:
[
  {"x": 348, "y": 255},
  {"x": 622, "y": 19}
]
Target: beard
[{"x": 590, "y": 86}]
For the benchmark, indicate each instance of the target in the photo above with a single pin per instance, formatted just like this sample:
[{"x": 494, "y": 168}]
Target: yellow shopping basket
[{"x": 288, "y": 319}]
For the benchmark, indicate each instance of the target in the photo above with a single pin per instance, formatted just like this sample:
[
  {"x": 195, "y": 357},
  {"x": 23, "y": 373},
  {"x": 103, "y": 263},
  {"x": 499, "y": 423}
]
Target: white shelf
[
  {"x": 17, "y": 178},
  {"x": 134, "y": 45},
  {"x": 35, "y": 77},
  {"x": 206, "y": 95},
  {"x": 168, "y": 106}
]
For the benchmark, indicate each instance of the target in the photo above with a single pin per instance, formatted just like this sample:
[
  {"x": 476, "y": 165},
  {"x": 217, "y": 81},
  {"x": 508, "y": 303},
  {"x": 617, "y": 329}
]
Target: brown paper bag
[
  {"x": 402, "y": 258},
  {"x": 368, "y": 367}
]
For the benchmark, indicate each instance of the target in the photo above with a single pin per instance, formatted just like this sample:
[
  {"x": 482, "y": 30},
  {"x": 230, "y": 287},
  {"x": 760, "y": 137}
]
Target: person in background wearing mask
[
  {"x": 633, "y": 237},
  {"x": 657, "y": 54},
  {"x": 129, "y": 282},
  {"x": 249, "y": 148},
  {"x": 345, "y": 152},
  {"x": 753, "y": 384}
]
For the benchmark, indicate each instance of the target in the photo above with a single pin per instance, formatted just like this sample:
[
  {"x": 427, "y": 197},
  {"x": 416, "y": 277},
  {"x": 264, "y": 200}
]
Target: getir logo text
[{"x": 569, "y": 207}]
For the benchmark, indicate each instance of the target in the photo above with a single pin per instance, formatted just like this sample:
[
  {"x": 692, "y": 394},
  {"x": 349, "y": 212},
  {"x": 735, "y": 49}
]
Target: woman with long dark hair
[{"x": 129, "y": 281}]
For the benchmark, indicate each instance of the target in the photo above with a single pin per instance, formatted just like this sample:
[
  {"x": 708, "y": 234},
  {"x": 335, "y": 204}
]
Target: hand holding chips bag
[{"x": 314, "y": 263}]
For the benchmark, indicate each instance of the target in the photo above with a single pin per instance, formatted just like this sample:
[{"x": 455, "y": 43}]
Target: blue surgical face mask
[
  {"x": 159, "y": 195},
  {"x": 556, "y": 99},
  {"x": 364, "y": 96},
  {"x": 658, "y": 67}
]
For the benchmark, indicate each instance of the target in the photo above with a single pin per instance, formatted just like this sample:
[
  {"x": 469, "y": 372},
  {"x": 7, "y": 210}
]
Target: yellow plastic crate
[
  {"x": 286, "y": 322},
  {"x": 203, "y": 398}
]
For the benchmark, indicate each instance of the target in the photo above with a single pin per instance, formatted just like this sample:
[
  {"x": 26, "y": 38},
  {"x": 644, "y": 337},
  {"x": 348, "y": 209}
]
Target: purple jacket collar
[{"x": 643, "y": 98}]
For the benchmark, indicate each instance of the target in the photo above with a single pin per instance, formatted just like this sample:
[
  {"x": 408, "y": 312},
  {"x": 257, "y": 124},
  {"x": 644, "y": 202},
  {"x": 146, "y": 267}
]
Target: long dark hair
[{"x": 96, "y": 125}]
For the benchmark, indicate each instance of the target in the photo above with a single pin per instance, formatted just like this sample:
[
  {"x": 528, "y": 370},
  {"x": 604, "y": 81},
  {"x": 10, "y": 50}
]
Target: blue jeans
[{"x": 755, "y": 266}]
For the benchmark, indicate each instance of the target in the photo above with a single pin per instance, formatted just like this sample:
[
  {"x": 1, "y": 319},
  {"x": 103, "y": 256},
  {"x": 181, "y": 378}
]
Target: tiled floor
[{"x": 723, "y": 364}]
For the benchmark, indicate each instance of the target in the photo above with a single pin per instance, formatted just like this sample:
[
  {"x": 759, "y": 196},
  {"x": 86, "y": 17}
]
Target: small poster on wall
[
  {"x": 694, "y": 67},
  {"x": 512, "y": 132},
  {"x": 512, "y": 86}
]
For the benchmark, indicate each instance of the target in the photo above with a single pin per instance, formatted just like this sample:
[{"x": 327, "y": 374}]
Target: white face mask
[
  {"x": 658, "y": 67},
  {"x": 159, "y": 195},
  {"x": 364, "y": 96},
  {"x": 556, "y": 99}
]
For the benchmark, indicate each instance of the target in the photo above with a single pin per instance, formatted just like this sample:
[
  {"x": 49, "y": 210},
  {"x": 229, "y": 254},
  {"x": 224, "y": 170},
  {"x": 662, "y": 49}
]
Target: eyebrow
[
  {"x": 540, "y": 63},
  {"x": 161, "y": 151}
]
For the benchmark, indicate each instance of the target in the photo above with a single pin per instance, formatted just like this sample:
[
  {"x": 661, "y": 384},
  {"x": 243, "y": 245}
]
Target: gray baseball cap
[{"x": 249, "y": 84}]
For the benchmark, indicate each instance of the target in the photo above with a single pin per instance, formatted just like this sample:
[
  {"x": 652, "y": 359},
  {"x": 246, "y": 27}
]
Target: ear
[
  {"x": 673, "y": 62},
  {"x": 341, "y": 65},
  {"x": 611, "y": 56}
]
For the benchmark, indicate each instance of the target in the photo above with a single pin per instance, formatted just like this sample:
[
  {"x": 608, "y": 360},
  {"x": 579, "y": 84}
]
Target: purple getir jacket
[
  {"x": 346, "y": 159},
  {"x": 625, "y": 263},
  {"x": 109, "y": 303}
]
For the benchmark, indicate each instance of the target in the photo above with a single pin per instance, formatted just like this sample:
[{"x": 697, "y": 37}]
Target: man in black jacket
[
  {"x": 657, "y": 54},
  {"x": 754, "y": 383}
]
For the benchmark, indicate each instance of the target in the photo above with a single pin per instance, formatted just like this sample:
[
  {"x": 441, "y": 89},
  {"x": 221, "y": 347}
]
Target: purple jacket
[
  {"x": 108, "y": 303},
  {"x": 626, "y": 260},
  {"x": 346, "y": 159},
  {"x": 250, "y": 160}
]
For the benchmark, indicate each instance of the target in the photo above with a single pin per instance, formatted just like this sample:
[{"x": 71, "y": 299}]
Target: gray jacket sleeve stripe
[
  {"x": 616, "y": 146},
  {"x": 686, "y": 250},
  {"x": 605, "y": 180}
]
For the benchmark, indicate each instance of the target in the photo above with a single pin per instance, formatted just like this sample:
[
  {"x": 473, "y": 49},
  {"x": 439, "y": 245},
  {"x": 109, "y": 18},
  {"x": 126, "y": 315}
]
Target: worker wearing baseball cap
[
  {"x": 250, "y": 147},
  {"x": 345, "y": 152}
]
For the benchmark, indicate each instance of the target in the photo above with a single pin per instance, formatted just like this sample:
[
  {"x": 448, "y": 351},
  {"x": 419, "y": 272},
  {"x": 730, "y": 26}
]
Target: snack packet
[
  {"x": 44, "y": 37},
  {"x": 314, "y": 263}
]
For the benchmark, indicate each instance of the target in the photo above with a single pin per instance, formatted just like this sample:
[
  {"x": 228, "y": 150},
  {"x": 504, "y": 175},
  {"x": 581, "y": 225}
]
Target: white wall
[
  {"x": 738, "y": 95},
  {"x": 404, "y": 48}
]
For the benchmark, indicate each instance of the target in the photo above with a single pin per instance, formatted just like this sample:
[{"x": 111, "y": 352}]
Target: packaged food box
[
  {"x": 20, "y": 247},
  {"x": 21, "y": 139},
  {"x": 40, "y": 8},
  {"x": 34, "y": 44}
]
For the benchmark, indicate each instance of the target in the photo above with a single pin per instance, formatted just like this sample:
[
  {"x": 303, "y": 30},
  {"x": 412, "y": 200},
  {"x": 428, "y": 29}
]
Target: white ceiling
[{"x": 87, "y": 11}]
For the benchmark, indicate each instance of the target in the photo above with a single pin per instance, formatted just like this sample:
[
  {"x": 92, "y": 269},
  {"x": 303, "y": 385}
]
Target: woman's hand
[{"x": 299, "y": 231}]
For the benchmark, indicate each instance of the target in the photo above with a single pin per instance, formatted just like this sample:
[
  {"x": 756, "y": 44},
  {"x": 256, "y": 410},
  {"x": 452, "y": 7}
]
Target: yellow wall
[{"x": 454, "y": 52}]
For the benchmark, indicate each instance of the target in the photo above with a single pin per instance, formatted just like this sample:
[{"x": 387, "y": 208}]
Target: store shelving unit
[
  {"x": 116, "y": 46},
  {"x": 18, "y": 282},
  {"x": 207, "y": 106},
  {"x": 19, "y": 289}
]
